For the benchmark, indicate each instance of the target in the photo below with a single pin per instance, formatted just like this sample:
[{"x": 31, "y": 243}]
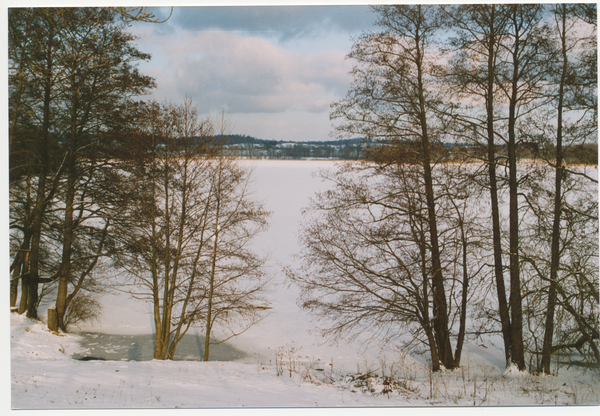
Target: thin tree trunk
[
  {"x": 14, "y": 283},
  {"x": 491, "y": 153},
  {"x": 440, "y": 319},
  {"x": 158, "y": 336},
  {"x": 64, "y": 273},
  {"x": 209, "y": 318},
  {"x": 167, "y": 299},
  {"x": 515, "y": 301},
  {"x": 17, "y": 269},
  {"x": 464, "y": 298},
  {"x": 42, "y": 171},
  {"x": 555, "y": 245},
  {"x": 427, "y": 324},
  {"x": 24, "y": 285},
  {"x": 20, "y": 264},
  {"x": 33, "y": 279}
]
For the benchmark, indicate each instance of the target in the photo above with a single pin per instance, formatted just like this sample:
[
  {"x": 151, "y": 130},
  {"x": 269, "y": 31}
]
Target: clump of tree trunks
[
  {"x": 98, "y": 179},
  {"x": 410, "y": 242},
  {"x": 186, "y": 225},
  {"x": 74, "y": 70}
]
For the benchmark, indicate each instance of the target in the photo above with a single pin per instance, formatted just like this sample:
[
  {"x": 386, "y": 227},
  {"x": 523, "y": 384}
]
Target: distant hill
[
  {"x": 251, "y": 147},
  {"x": 242, "y": 138}
]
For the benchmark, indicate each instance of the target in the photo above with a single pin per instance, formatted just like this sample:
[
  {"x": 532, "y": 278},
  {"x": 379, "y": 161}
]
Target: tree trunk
[
  {"x": 169, "y": 275},
  {"x": 491, "y": 154},
  {"x": 52, "y": 320},
  {"x": 464, "y": 297},
  {"x": 20, "y": 264},
  {"x": 209, "y": 317},
  {"x": 440, "y": 319},
  {"x": 158, "y": 337},
  {"x": 435, "y": 360},
  {"x": 24, "y": 294},
  {"x": 515, "y": 301},
  {"x": 555, "y": 244},
  {"x": 15, "y": 279},
  {"x": 42, "y": 171},
  {"x": 36, "y": 226},
  {"x": 419, "y": 236},
  {"x": 64, "y": 273}
]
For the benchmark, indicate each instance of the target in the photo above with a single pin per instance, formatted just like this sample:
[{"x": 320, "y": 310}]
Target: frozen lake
[{"x": 285, "y": 188}]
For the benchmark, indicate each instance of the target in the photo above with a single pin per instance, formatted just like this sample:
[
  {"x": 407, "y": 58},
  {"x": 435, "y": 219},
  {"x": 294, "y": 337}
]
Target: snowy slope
[{"x": 44, "y": 376}]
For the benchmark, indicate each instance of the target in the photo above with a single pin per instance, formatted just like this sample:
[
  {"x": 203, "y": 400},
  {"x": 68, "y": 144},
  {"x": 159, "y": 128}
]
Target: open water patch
[{"x": 114, "y": 347}]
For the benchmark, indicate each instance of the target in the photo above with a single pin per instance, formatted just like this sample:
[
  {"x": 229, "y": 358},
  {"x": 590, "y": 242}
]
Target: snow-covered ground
[
  {"x": 44, "y": 376},
  {"x": 286, "y": 365}
]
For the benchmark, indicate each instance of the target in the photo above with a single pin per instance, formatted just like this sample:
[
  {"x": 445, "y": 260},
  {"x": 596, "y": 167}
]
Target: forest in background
[{"x": 249, "y": 147}]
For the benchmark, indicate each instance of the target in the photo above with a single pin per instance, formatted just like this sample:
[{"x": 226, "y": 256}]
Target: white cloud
[
  {"x": 247, "y": 74},
  {"x": 253, "y": 77}
]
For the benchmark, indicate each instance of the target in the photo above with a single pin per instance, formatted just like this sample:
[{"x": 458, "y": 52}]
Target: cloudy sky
[{"x": 276, "y": 69}]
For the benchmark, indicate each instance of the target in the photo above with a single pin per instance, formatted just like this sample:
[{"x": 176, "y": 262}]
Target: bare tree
[
  {"x": 74, "y": 68},
  {"x": 367, "y": 262},
  {"x": 186, "y": 228},
  {"x": 572, "y": 281},
  {"x": 562, "y": 124},
  {"x": 561, "y": 22},
  {"x": 393, "y": 98},
  {"x": 501, "y": 67},
  {"x": 480, "y": 29},
  {"x": 235, "y": 278},
  {"x": 521, "y": 80}
]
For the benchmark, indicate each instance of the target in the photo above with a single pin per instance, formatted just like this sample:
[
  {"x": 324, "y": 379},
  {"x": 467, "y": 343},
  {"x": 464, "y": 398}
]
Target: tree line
[
  {"x": 99, "y": 180},
  {"x": 250, "y": 147},
  {"x": 357, "y": 149},
  {"x": 424, "y": 246}
]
